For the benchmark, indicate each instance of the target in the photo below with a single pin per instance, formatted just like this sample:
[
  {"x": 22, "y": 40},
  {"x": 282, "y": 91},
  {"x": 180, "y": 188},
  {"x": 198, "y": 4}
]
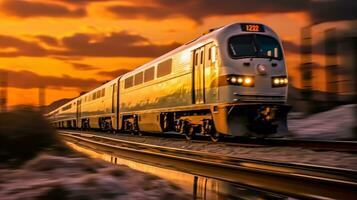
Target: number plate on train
[{"x": 252, "y": 27}]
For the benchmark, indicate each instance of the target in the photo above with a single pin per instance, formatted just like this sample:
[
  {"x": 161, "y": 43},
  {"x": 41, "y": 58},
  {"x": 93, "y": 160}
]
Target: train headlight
[
  {"x": 247, "y": 81},
  {"x": 240, "y": 80},
  {"x": 276, "y": 81},
  {"x": 280, "y": 81},
  {"x": 233, "y": 80}
]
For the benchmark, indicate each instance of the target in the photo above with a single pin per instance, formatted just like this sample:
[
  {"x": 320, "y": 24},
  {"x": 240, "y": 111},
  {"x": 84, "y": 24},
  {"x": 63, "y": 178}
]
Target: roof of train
[
  {"x": 75, "y": 99},
  {"x": 214, "y": 34}
]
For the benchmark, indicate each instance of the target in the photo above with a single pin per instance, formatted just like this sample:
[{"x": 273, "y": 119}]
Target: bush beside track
[{"x": 23, "y": 134}]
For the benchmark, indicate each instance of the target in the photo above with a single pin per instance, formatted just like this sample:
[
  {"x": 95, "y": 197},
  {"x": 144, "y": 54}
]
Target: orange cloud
[
  {"x": 80, "y": 2},
  {"x": 121, "y": 44},
  {"x": 200, "y": 9},
  {"x": 20, "y": 47},
  {"x": 27, "y": 79},
  {"x": 81, "y": 66},
  {"x": 21, "y": 8},
  {"x": 115, "y": 44}
]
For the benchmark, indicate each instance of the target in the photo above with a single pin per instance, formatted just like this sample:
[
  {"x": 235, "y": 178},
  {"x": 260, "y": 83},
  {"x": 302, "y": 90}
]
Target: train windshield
[{"x": 253, "y": 46}]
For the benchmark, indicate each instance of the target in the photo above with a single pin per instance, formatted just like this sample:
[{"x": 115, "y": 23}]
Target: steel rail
[
  {"x": 331, "y": 145},
  {"x": 291, "y": 179},
  {"x": 318, "y": 145}
]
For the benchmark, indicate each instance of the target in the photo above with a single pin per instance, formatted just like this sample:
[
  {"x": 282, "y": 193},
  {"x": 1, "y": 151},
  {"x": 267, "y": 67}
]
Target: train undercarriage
[
  {"x": 216, "y": 122},
  {"x": 257, "y": 120}
]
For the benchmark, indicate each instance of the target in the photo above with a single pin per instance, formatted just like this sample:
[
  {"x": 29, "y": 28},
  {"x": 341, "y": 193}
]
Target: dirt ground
[
  {"x": 335, "y": 124},
  {"x": 58, "y": 177}
]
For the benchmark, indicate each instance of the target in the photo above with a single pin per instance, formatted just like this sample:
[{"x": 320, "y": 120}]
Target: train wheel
[
  {"x": 128, "y": 126},
  {"x": 190, "y": 133},
  {"x": 178, "y": 126},
  {"x": 135, "y": 126},
  {"x": 216, "y": 136}
]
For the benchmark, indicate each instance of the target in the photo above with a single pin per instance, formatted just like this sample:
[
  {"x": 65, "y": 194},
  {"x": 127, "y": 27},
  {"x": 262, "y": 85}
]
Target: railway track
[
  {"x": 317, "y": 145},
  {"x": 330, "y": 145},
  {"x": 291, "y": 179}
]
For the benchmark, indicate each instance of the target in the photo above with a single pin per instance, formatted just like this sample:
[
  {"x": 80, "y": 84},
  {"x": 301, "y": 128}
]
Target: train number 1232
[{"x": 252, "y": 28}]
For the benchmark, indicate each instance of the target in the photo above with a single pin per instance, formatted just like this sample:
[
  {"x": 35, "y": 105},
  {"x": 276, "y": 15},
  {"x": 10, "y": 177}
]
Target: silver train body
[{"x": 231, "y": 81}]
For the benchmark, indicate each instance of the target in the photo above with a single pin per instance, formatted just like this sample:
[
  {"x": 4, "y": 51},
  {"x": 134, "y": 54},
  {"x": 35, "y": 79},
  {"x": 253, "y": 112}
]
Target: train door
[
  {"x": 211, "y": 73},
  {"x": 115, "y": 105},
  {"x": 198, "y": 76},
  {"x": 114, "y": 92},
  {"x": 79, "y": 111}
]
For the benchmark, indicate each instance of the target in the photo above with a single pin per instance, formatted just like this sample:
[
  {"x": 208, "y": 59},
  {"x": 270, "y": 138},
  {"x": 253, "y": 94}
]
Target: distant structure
[
  {"x": 3, "y": 91},
  {"x": 329, "y": 64},
  {"x": 41, "y": 97},
  {"x": 306, "y": 62}
]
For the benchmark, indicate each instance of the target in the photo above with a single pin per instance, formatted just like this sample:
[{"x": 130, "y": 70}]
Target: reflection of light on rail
[
  {"x": 86, "y": 151},
  {"x": 183, "y": 180},
  {"x": 199, "y": 187},
  {"x": 266, "y": 167}
]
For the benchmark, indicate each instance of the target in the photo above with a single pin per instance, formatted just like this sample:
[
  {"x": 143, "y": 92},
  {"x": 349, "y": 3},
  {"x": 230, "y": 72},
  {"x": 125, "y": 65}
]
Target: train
[{"x": 231, "y": 81}]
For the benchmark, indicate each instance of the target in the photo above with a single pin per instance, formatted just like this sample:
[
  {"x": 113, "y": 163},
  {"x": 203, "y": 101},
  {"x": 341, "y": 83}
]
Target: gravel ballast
[{"x": 279, "y": 154}]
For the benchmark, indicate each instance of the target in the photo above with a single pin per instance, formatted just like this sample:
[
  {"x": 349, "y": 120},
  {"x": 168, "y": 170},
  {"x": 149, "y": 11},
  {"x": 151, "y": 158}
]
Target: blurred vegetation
[
  {"x": 117, "y": 172},
  {"x": 23, "y": 134}
]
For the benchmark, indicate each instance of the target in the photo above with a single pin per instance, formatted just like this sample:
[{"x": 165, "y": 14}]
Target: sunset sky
[{"x": 69, "y": 46}]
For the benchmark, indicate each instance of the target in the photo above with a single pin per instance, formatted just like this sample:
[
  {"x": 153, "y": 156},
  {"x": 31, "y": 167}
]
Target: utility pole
[{"x": 3, "y": 91}]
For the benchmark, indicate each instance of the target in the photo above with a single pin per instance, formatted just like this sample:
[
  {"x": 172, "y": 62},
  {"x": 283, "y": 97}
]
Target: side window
[
  {"x": 164, "y": 68},
  {"x": 99, "y": 94},
  {"x": 128, "y": 82},
  {"x": 94, "y": 95},
  {"x": 103, "y": 92},
  {"x": 138, "y": 78},
  {"x": 149, "y": 74},
  {"x": 67, "y": 107}
]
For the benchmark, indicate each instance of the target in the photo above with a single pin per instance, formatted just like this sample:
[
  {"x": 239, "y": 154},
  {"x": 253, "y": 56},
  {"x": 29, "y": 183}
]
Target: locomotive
[{"x": 231, "y": 81}]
